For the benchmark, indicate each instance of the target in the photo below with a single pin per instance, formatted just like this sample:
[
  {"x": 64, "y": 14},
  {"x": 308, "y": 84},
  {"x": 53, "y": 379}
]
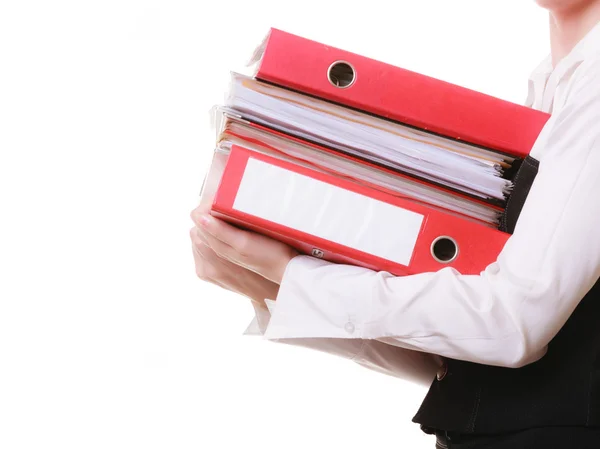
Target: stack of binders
[{"x": 360, "y": 162}]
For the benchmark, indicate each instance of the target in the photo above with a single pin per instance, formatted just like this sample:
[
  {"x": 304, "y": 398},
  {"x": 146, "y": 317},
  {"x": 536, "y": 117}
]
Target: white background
[{"x": 107, "y": 339}]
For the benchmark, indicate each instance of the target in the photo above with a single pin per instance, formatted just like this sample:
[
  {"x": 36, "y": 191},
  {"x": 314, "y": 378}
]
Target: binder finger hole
[
  {"x": 444, "y": 249},
  {"x": 341, "y": 74}
]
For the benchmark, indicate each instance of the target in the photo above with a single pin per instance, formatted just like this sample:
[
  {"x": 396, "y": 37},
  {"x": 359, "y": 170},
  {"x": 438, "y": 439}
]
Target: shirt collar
[
  {"x": 543, "y": 70},
  {"x": 587, "y": 48}
]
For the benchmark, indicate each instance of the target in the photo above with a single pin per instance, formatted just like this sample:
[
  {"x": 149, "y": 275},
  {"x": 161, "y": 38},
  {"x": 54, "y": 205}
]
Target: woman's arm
[
  {"x": 506, "y": 315},
  {"x": 412, "y": 366}
]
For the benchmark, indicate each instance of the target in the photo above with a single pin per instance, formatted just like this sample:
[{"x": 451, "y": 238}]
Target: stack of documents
[
  {"x": 446, "y": 154},
  {"x": 467, "y": 168}
]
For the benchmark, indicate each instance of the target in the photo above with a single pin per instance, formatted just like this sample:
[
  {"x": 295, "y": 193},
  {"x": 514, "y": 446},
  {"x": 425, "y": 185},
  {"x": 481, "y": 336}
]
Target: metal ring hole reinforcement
[
  {"x": 444, "y": 249},
  {"x": 341, "y": 74}
]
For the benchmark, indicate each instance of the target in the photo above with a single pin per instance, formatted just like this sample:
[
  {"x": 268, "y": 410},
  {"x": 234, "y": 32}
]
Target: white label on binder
[{"x": 328, "y": 211}]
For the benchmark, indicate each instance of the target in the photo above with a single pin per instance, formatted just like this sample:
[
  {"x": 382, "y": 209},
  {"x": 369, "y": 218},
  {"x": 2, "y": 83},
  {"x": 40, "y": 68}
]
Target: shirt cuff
[
  {"x": 302, "y": 312},
  {"x": 262, "y": 317}
]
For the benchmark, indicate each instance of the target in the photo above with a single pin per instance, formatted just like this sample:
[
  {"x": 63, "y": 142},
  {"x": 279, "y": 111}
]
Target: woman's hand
[
  {"x": 264, "y": 256},
  {"x": 212, "y": 268}
]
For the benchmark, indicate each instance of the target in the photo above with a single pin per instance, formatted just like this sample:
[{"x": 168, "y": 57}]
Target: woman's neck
[{"x": 568, "y": 26}]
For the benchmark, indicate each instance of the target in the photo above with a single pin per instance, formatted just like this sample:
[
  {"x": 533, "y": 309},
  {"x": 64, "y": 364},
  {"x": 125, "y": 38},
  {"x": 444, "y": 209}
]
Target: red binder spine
[
  {"x": 397, "y": 236},
  {"x": 398, "y": 94}
]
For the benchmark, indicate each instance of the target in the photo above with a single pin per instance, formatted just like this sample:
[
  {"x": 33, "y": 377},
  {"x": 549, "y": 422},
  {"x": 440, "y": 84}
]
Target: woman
[{"x": 515, "y": 348}]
